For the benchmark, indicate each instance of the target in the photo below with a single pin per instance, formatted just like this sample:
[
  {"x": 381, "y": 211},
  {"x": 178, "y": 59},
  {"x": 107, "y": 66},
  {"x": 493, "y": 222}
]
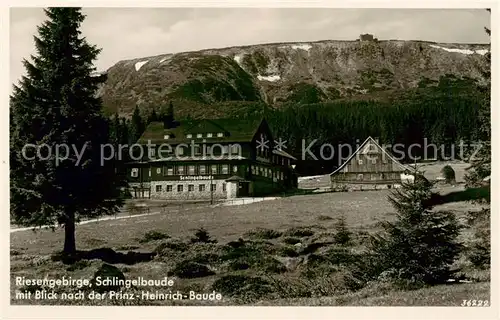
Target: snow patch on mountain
[
  {"x": 271, "y": 78},
  {"x": 139, "y": 64},
  {"x": 238, "y": 58},
  {"x": 305, "y": 47},
  {"x": 462, "y": 51},
  {"x": 482, "y": 52}
]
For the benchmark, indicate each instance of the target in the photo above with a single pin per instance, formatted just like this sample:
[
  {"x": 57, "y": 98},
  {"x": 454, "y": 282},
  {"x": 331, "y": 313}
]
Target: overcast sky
[{"x": 127, "y": 33}]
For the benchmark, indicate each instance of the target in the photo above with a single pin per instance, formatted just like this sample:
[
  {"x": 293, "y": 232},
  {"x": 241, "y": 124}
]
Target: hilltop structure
[
  {"x": 366, "y": 37},
  {"x": 210, "y": 159}
]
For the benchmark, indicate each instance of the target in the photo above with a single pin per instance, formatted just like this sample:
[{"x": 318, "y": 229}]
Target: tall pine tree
[
  {"x": 55, "y": 105},
  {"x": 137, "y": 126}
]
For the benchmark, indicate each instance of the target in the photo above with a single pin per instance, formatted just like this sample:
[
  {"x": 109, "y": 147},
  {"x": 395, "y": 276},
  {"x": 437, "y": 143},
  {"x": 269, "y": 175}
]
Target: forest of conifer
[{"x": 442, "y": 113}]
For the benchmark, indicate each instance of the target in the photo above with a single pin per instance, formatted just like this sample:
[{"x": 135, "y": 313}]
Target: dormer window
[
  {"x": 209, "y": 135},
  {"x": 199, "y": 135},
  {"x": 189, "y": 136},
  {"x": 220, "y": 134}
]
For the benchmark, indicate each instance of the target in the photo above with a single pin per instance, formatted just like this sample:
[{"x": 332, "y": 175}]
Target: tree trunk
[{"x": 69, "y": 235}]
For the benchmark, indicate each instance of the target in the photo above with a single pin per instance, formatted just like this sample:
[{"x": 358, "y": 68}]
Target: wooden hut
[{"x": 370, "y": 167}]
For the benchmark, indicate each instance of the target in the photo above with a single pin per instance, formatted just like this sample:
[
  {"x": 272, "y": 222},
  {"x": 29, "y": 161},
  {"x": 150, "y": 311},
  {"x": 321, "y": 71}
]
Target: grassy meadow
[{"x": 276, "y": 252}]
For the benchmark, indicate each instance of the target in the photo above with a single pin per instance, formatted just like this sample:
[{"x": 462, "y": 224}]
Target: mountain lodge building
[
  {"x": 370, "y": 167},
  {"x": 210, "y": 159}
]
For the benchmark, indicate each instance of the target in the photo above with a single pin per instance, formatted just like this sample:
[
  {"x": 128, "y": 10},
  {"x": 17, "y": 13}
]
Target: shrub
[
  {"x": 78, "y": 265},
  {"x": 312, "y": 247},
  {"x": 291, "y": 240},
  {"x": 253, "y": 255},
  {"x": 189, "y": 269},
  {"x": 202, "y": 235},
  {"x": 107, "y": 272},
  {"x": 263, "y": 233},
  {"x": 342, "y": 234},
  {"x": 288, "y": 252},
  {"x": 448, "y": 174},
  {"x": 243, "y": 286},
  {"x": 479, "y": 254},
  {"x": 324, "y": 218},
  {"x": 299, "y": 232},
  {"x": 153, "y": 236},
  {"x": 420, "y": 246},
  {"x": 171, "y": 245},
  {"x": 341, "y": 256}
]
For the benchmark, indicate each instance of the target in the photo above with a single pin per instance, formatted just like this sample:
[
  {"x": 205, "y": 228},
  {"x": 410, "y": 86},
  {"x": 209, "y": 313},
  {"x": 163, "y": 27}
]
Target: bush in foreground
[
  {"x": 189, "y": 269},
  {"x": 153, "y": 236}
]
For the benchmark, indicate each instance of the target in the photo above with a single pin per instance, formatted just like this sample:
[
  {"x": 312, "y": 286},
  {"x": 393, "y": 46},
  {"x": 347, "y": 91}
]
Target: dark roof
[{"x": 234, "y": 130}]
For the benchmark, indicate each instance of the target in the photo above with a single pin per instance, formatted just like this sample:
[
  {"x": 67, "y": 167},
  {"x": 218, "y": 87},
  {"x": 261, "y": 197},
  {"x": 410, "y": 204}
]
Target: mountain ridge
[{"x": 284, "y": 72}]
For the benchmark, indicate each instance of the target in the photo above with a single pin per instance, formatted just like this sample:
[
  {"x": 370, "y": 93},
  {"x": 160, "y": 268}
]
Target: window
[
  {"x": 180, "y": 169},
  {"x": 158, "y": 170},
  {"x": 134, "y": 173},
  {"x": 225, "y": 169},
  {"x": 180, "y": 151},
  {"x": 360, "y": 176},
  {"x": 158, "y": 188},
  {"x": 202, "y": 169},
  {"x": 167, "y": 136},
  {"x": 374, "y": 161},
  {"x": 201, "y": 187},
  {"x": 149, "y": 172},
  {"x": 191, "y": 187},
  {"x": 191, "y": 170},
  {"x": 235, "y": 149},
  {"x": 360, "y": 161},
  {"x": 213, "y": 170},
  {"x": 220, "y": 134},
  {"x": 180, "y": 188},
  {"x": 235, "y": 169},
  {"x": 151, "y": 153},
  {"x": 209, "y": 135},
  {"x": 212, "y": 187},
  {"x": 223, "y": 187},
  {"x": 169, "y": 188},
  {"x": 197, "y": 150},
  {"x": 189, "y": 136},
  {"x": 199, "y": 135},
  {"x": 169, "y": 171},
  {"x": 225, "y": 149}
]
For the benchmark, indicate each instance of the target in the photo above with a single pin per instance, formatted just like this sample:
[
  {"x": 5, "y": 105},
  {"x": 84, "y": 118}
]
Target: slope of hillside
[{"x": 201, "y": 83}]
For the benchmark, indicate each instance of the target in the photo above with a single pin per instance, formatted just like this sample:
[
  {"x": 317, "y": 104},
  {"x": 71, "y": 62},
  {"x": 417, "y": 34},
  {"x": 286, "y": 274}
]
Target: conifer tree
[
  {"x": 56, "y": 105},
  {"x": 420, "y": 246},
  {"x": 136, "y": 126},
  {"x": 153, "y": 117},
  {"x": 481, "y": 164}
]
